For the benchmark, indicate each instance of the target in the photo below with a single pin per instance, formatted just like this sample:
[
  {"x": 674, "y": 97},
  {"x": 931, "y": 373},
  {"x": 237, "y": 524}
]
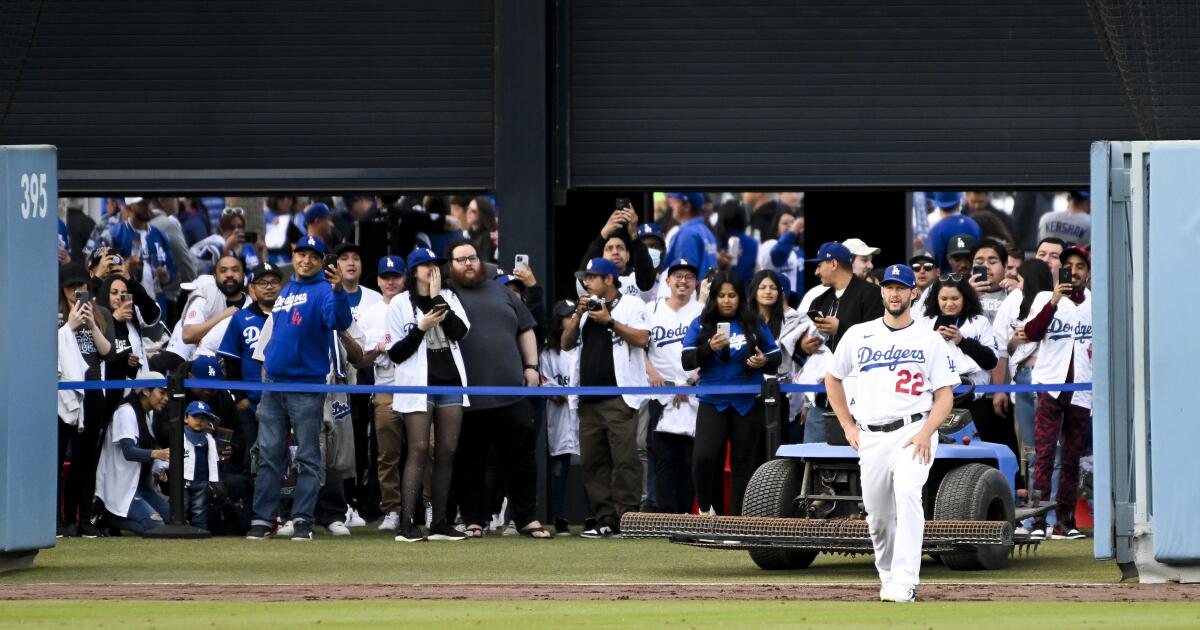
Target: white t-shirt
[
  {"x": 117, "y": 477},
  {"x": 1068, "y": 341},
  {"x": 373, "y": 322},
  {"x": 1006, "y": 318},
  {"x": 895, "y": 371},
  {"x": 210, "y": 343},
  {"x": 370, "y": 297}
]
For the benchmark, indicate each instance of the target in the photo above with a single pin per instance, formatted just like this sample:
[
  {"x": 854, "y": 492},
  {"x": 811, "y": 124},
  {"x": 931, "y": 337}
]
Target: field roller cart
[{"x": 808, "y": 501}]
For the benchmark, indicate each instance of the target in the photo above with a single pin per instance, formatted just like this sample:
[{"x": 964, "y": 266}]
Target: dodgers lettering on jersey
[
  {"x": 286, "y": 303},
  {"x": 891, "y": 374},
  {"x": 662, "y": 336}
]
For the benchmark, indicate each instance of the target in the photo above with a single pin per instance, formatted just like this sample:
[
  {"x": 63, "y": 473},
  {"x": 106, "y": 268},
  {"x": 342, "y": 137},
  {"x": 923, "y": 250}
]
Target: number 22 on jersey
[{"x": 910, "y": 382}]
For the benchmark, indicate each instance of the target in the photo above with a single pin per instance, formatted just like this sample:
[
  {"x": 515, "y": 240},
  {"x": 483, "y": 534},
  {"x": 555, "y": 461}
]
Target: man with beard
[
  {"x": 213, "y": 299},
  {"x": 506, "y": 356}
]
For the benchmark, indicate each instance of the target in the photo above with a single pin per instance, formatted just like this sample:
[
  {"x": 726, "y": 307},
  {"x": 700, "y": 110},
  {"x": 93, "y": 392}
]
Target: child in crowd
[
  {"x": 562, "y": 420},
  {"x": 199, "y": 461}
]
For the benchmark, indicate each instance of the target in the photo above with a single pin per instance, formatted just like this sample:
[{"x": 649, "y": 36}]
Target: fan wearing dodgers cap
[
  {"x": 903, "y": 390},
  {"x": 846, "y": 301},
  {"x": 200, "y": 462},
  {"x": 297, "y": 350}
]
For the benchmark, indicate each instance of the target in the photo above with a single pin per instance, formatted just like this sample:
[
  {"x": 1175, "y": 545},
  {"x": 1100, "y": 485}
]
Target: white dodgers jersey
[{"x": 895, "y": 372}]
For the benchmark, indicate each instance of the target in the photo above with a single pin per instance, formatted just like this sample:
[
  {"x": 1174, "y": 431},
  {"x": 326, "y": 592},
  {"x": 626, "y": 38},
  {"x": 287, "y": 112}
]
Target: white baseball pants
[{"x": 891, "y": 486}]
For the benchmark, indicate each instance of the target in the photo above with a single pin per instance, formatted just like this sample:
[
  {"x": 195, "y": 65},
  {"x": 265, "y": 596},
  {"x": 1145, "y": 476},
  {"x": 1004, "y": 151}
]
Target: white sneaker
[
  {"x": 510, "y": 530},
  {"x": 390, "y": 522},
  {"x": 884, "y": 590},
  {"x": 353, "y": 519},
  {"x": 287, "y": 529},
  {"x": 898, "y": 593},
  {"x": 1020, "y": 532},
  {"x": 338, "y": 528}
]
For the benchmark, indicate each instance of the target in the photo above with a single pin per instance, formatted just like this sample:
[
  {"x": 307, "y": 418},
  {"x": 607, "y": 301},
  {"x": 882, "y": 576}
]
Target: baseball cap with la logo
[
  {"x": 899, "y": 274},
  {"x": 961, "y": 244},
  {"x": 312, "y": 244},
  {"x": 391, "y": 265}
]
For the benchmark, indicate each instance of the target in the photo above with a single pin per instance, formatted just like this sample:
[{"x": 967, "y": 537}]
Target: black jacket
[
  {"x": 640, "y": 263},
  {"x": 861, "y": 302}
]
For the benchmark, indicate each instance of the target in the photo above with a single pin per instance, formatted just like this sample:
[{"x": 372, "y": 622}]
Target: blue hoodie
[{"x": 303, "y": 320}]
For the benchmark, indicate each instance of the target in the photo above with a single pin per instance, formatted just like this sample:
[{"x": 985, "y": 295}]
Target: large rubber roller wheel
[
  {"x": 975, "y": 492},
  {"x": 772, "y": 491}
]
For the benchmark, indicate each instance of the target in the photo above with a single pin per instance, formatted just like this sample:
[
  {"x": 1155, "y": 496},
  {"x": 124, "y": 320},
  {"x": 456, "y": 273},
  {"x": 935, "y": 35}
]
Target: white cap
[
  {"x": 129, "y": 201},
  {"x": 859, "y": 248},
  {"x": 151, "y": 376}
]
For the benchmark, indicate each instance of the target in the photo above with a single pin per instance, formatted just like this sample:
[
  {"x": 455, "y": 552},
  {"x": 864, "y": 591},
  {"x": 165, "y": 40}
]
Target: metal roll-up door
[
  {"x": 760, "y": 94},
  {"x": 256, "y": 96}
]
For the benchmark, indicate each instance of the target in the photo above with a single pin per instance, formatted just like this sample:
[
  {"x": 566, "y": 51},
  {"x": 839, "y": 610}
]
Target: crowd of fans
[{"x": 711, "y": 292}]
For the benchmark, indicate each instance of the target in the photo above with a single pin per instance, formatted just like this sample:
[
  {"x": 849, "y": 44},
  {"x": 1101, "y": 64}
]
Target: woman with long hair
[
  {"x": 483, "y": 228},
  {"x": 428, "y": 321},
  {"x": 128, "y": 356},
  {"x": 730, "y": 345},
  {"x": 768, "y": 296},
  {"x": 954, "y": 311}
]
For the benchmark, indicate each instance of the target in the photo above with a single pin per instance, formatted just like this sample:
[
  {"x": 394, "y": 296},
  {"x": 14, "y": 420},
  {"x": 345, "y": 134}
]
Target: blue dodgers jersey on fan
[
  {"x": 240, "y": 342},
  {"x": 303, "y": 320},
  {"x": 714, "y": 371},
  {"x": 694, "y": 241}
]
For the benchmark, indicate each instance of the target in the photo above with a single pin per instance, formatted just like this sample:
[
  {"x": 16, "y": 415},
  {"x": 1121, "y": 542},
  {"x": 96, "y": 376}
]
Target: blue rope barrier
[{"x": 521, "y": 391}]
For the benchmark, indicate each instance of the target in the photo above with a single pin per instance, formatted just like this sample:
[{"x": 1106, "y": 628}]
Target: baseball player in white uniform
[{"x": 903, "y": 380}]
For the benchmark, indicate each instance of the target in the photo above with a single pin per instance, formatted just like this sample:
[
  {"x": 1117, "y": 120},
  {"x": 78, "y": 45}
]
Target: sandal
[
  {"x": 536, "y": 533},
  {"x": 473, "y": 531}
]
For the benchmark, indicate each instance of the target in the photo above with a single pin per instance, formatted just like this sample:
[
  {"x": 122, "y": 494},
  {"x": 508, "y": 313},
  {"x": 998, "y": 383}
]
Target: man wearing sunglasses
[{"x": 925, "y": 270}]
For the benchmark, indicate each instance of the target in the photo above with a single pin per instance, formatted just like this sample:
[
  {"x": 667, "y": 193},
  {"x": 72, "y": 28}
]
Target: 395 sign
[{"x": 35, "y": 197}]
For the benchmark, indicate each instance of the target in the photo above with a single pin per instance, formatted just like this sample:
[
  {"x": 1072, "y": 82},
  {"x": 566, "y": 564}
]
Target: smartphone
[
  {"x": 81, "y": 296},
  {"x": 1064, "y": 275},
  {"x": 521, "y": 262},
  {"x": 251, "y": 237},
  {"x": 125, "y": 298},
  {"x": 330, "y": 261},
  {"x": 623, "y": 203},
  {"x": 723, "y": 328},
  {"x": 980, "y": 272},
  {"x": 945, "y": 320},
  {"x": 814, "y": 314}
]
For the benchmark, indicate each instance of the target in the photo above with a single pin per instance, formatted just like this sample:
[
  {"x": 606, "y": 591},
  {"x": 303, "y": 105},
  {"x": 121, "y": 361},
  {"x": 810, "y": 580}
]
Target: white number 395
[{"x": 35, "y": 200}]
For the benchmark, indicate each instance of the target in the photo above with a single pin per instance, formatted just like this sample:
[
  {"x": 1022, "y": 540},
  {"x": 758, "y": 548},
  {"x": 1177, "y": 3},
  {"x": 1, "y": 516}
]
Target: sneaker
[
  {"x": 258, "y": 532},
  {"x": 899, "y": 594},
  {"x": 338, "y": 528},
  {"x": 302, "y": 530},
  {"x": 1039, "y": 532},
  {"x": 589, "y": 523},
  {"x": 445, "y": 532},
  {"x": 562, "y": 527},
  {"x": 87, "y": 530},
  {"x": 353, "y": 519},
  {"x": 602, "y": 531},
  {"x": 409, "y": 533},
  {"x": 510, "y": 530},
  {"x": 1021, "y": 532},
  {"x": 1065, "y": 533},
  {"x": 884, "y": 592},
  {"x": 390, "y": 522},
  {"x": 285, "y": 530}
]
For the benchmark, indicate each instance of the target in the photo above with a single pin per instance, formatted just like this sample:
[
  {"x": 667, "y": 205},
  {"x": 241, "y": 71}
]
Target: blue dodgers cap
[
  {"x": 694, "y": 198},
  {"x": 206, "y": 367},
  {"x": 422, "y": 255},
  {"x": 682, "y": 263},
  {"x": 650, "y": 229},
  {"x": 508, "y": 279},
  {"x": 599, "y": 267},
  {"x": 316, "y": 211},
  {"x": 310, "y": 243},
  {"x": 833, "y": 250},
  {"x": 200, "y": 408},
  {"x": 900, "y": 274},
  {"x": 945, "y": 199},
  {"x": 391, "y": 265}
]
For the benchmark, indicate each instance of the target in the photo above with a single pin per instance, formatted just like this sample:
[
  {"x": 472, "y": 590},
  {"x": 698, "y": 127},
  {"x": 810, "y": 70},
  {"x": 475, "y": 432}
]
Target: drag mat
[{"x": 567, "y": 592}]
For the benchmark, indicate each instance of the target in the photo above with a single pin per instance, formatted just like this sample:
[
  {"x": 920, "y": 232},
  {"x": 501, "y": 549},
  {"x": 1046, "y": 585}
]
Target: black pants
[
  {"x": 511, "y": 431},
  {"x": 77, "y": 492},
  {"x": 997, "y": 429},
  {"x": 362, "y": 490},
  {"x": 746, "y": 436},
  {"x": 331, "y": 501},
  {"x": 673, "y": 472}
]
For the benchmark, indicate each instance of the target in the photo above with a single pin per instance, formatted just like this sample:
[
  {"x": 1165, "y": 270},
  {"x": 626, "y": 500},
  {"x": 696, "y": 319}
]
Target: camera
[{"x": 594, "y": 303}]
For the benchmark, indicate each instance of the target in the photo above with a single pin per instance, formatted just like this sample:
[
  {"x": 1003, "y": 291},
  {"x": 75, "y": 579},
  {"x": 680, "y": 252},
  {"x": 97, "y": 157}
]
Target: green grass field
[
  {"x": 371, "y": 557},
  {"x": 633, "y": 614}
]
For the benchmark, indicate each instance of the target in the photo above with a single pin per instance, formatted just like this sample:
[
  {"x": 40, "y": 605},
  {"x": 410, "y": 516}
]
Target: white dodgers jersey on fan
[{"x": 895, "y": 371}]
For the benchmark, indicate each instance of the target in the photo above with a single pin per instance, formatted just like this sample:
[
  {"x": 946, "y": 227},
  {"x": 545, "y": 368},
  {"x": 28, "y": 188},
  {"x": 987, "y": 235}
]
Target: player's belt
[{"x": 888, "y": 427}]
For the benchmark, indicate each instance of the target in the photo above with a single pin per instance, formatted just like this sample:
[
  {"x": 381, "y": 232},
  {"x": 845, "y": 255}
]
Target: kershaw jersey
[{"x": 895, "y": 371}]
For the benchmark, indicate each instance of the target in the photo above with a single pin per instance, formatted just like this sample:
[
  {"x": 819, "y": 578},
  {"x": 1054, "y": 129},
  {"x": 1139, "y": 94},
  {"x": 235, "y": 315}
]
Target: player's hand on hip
[
  {"x": 852, "y": 435},
  {"x": 920, "y": 443}
]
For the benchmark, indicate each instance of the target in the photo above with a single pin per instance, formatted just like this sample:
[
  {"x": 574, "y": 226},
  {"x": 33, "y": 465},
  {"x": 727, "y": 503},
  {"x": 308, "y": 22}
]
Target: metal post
[
  {"x": 177, "y": 526},
  {"x": 772, "y": 410}
]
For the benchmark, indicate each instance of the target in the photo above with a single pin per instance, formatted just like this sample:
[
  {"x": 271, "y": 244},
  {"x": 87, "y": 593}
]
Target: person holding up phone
[
  {"x": 1062, "y": 326},
  {"x": 619, "y": 243},
  {"x": 427, "y": 321},
  {"x": 989, "y": 259},
  {"x": 730, "y": 345}
]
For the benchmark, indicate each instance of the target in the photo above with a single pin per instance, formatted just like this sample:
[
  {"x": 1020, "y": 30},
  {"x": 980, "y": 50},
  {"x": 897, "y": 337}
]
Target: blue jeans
[
  {"x": 814, "y": 425},
  {"x": 1026, "y": 405},
  {"x": 148, "y": 510},
  {"x": 302, "y": 414},
  {"x": 445, "y": 400},
  {"x": 195, "y": 499}
]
